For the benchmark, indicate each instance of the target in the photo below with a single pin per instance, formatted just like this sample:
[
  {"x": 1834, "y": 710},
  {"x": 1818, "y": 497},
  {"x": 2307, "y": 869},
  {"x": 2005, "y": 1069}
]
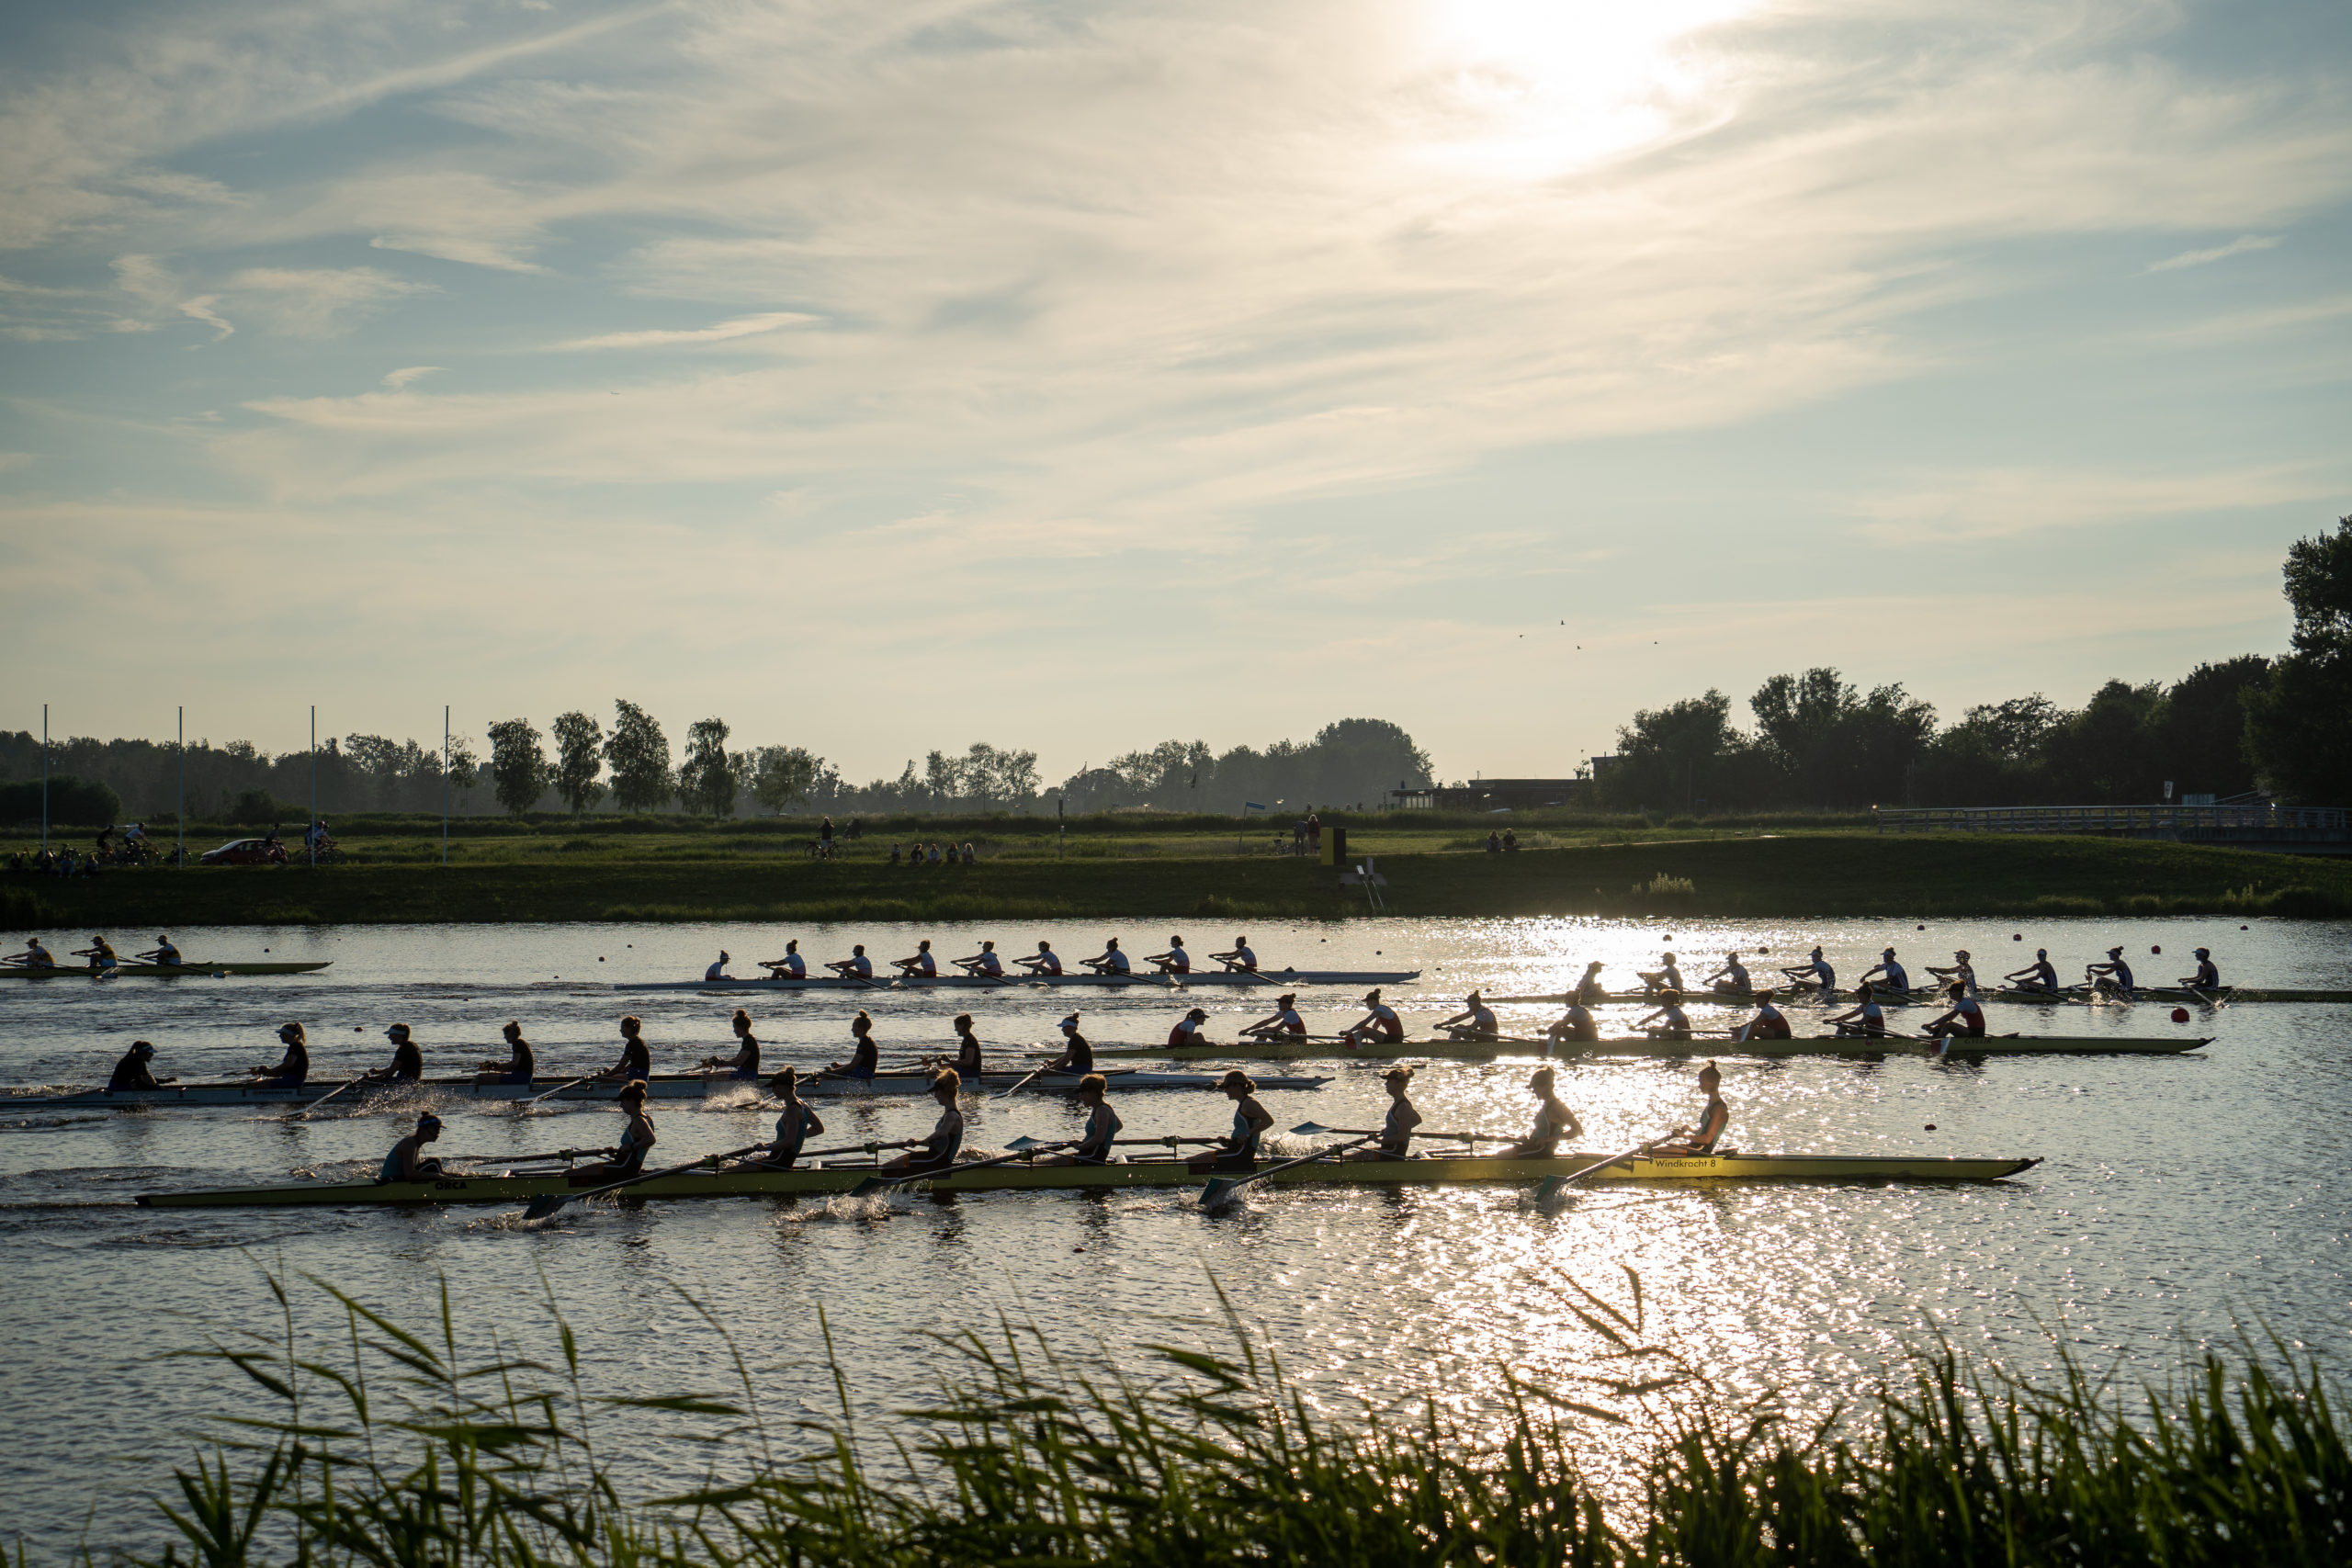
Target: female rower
[
  {"x": 1188, "y": 1032},
  {"x": 407, "y": 1161},
  {"x": 1554, "y": 1121},
  {"x": 1866, "y": 1019},
  {"x": 636, "y": 1058},
  {"x": 857, "y": 967},
  {"x": 132, "y": 1072},
  {"x": 1770, "y": 1022},
  {"x": 1732, "y": 977},
  {"x": 1048, "y": 960},
  {"x": 1683, "y": 1142},
  {"x": 1813, "y": 971},
  {"x": 1667, "y": 978},
  {"x": 1250, "y": 1121},
  {"x": 1575, "y": 1025},
  {"x": 516, "y": 1069},
  {"x": 865, "y": 1055},
  {"x": 2039, "y": 976},
  {"x": 1477, "y": 1021},
  {"x": 923, "y": 965},
  {"x": 968, "y": 1049},
  {"x": 2208, "y": 976},
  {"x": 1962, "y": 970},
  {"x": 717, "y": 971},
  {"x": 101, "y": 954},
  {"x": 1103, "y": 1125},
  {"x": 1283, "y": 1020},
  {"x": 637, "y": 1139},
  {"x": 1590, "y": 991},
  {"x": 1379, "y": 1024},
  {"x": 163, "y": 955},
  {"x": 791, "y": 967},
  {"x": 984, "y": 961},
  {"x": 1966, "y": 1018},
  {"x": 1667, "y": 1021},
  {"x": 1175, "y": 960},
  {"x": 1887, "y": 974},
  {"x": 1109, "y": 961},
  {"x": 408, "y": 1061},
  {"x": 938, "y": 1151},
  {"x": 2112, "y": 977},
  {"x": 1238, "y": 958},
  {"x": 745, "y": 1062},
  {"x": 1396, "y": 1133},
  {"x": 797, "y": 1122},
  {"x": 1077, "y": 1056},
  {"x": 293, "y": 1067}
]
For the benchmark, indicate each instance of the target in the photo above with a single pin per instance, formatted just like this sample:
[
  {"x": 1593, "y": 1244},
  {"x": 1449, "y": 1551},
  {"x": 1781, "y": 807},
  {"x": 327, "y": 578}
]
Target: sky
[{"x": 887, "y": 377}]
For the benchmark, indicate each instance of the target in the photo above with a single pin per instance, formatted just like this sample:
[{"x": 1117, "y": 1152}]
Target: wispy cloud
[
  {"x": 2008, "y": 502},
  {"x": 725, "y": 331},
  {"x": 2237, "y": 247}
]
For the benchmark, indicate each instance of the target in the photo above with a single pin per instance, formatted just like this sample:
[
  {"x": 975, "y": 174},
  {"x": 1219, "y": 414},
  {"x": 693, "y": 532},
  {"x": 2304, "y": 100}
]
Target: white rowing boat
[{"x": 1015, "y": 982}]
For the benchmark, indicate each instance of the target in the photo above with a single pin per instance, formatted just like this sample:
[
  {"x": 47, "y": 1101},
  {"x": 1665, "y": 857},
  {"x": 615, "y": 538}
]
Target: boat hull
[
  {"x": 833, "y": 1180},
  {"x": 1936, "y": 997},
  {"x": 1818, "y": 1045},
  {"x": 1015, "y": 982},
  {"x": 161, "y": 971}
]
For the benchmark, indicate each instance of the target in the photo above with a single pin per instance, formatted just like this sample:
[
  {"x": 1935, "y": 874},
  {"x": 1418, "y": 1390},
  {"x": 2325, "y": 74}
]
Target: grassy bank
[
  {"x": 382, "y": 1447},
  {"x": 1819, "y": 873}
]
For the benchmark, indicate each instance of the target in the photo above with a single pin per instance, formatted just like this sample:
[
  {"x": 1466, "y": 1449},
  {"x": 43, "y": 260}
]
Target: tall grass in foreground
[{"x": 389, "y": 1450}]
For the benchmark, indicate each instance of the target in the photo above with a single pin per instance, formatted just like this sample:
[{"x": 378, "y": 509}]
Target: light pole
[
  {"x": 445, "y": 783},
  {"x": 182, "y": 812},
  {"x": 44, "y": 778},
  {"x": 310, "y": 829}
]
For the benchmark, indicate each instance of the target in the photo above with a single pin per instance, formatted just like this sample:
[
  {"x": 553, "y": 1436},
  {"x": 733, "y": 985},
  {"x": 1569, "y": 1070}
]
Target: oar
[
  {"x": 1023, "y": 1083},
  {"x": 516, "y": 1159},
  {"x": 1552, "y": 1185},
  {"x": 877, "y": 1183},
  {"x": 557, "y": 1090},
  {"x": 1316, "y": 1130},
  {"x": 1222, "y": 1188},
  {"x": 304, "y": 1114},
  {"x": 549, "y": 1203}
]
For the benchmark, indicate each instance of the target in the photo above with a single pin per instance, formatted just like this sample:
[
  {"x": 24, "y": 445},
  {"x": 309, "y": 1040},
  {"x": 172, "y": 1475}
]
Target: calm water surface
[{"x": 2180, "y": 1197}]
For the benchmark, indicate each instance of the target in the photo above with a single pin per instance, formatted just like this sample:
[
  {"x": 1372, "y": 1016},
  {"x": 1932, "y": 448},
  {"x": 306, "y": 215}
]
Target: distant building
[{"x": 1494, "y": 794}]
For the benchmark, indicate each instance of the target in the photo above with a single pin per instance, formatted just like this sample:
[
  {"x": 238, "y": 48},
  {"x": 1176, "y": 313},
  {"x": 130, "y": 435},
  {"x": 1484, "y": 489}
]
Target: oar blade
[
  {"x": 1551, "y": 1187},
  {"x": 1312, "y": 1129},
  {"x": 869, "y": 1187},
  {"x": 1218, "y": 1191},
  {"x": 546, "y": 1203}
]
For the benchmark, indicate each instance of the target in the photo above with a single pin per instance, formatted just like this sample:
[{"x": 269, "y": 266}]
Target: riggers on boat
[
  {"x": 661, "y": 1086},
  {"x": 190, "y": 970},
  {"x": 829, "y": 1180},
  {"x": 1015, "y": 981},
  {"x": 1929, "y": 996},
  {"x": 1715, "y": 1045}
]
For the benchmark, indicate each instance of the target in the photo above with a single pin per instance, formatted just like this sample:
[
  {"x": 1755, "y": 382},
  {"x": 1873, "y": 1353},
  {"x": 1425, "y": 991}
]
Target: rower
[
  {"x": 1397, "y": 1132},
  {"x": 1047, "y": 962},
  {"x": 968, "y": 1049},
  {"x": 2208, "y": 977},
  {"x": 1109, "y": 961},
  {"x": 292, "y": 1069},
  {"x": 517, "y": 1067},
  {"x": 407, "y": 1161},
  {"x": 920, "y": 966},
  {"x": 1816, "y": 971},
  {"x": 938, "y": 1151},
  {"x": 1238, "y": 958},
  {"x": 131, "y": 1072},
  {"x": 637, "y": 1139},
  {"x": 2039, "y": 976},
  {"x": 1250, "y": 1121},
  {"x": 797, "y": 1122},
  {"x": 864, "y": 1054},
  {"x": 408, "y": 1060},
  {"x": 1175, "y": 960},
  {"x": 984, "y": 961},
  {"x": 163, "y": 955},
  {"x": 637, "y": 1058},
  {"x": 1668, "y": 1022},
  {"x": 1379, "y": 1024},
  {"x": 1103, "y": 1125},
  {"x": 1283, "y": 1020},
  {"x": 1967, "y": 1018},
  {"x": 745, "y": 1062},
  {"x": 1575, "y": 1024},
  {"x": 1731, "y": 977},
  {"x": 1685, "y": 1142},
  {"x": 1187, "y": 1032},
  {"x": 791, "y": 967},
  {"x": 719, "y": 970},
  {"x": 1669, "y": 978},
  {"x": 1865, "y": 1018},
  {"x": 1888, "y": 975},
  {"x": 1590, "y": 991},
  {"x": 1477, "y": 1021},
  {"x": 1078, "y": 1056},
  {"x": 34, "y": 956},
  {"x": 1554, "y": 1121},
  {"x": 100, "y": 952},
  {"x": 1770, "y": 1022},
  {"x": 857, "y": 967},
  {"x": 1964, "y": 971},
  {"x": 2112, "y": 977}
]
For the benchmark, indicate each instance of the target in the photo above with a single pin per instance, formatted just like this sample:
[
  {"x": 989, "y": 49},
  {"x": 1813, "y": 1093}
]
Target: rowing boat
[
  {"x": 662, "y": 1086},
  {"x": 2168, "y": 995},
  {"x": 157, "y": 971},
  {"x": 833, "y": 1180},
  {"x": 991, "y": 983},
  {"x": 1816, "y": 1045}
]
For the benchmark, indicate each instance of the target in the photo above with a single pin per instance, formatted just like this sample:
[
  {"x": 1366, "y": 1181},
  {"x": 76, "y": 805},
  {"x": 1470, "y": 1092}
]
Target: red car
[{"x": 246, "y": 851}]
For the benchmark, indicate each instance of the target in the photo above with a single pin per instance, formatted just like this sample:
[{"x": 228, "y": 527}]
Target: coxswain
[
  {"x": 1667, "y": 1022},
  {"x": 1284, "y": 1020},
  {"x": 408, "y": 1060},
  {"x": 1967, "y": 1018},
  {"x": 791, "y": 967},
  {"x": 1575, "y": 1025},
  {"x": 1397, "y": 1132},
  {"x": 745, "y": 1062},
  {"x": 637, "y": 1138},
  {"x": 1554, "y": 1121},
  {"x": 1477, "y": 1021},
  {"x": 2208, "y": 976},
  {"x": 100, "y": 952},
  {"x": 1048, "y": 960},
  {"x": 1379, "y": 1024},
  {"x": 637, "y": 1058},
  {"x": 34, "y": 956},
  {"x": 1238, "y": 957},
  {"x": 517, "y": 1067},
  {"x": 131, "y": 1072},
  {"x": 2039, "y": 976},
  {"x": 163, "y": 955},
  {"x": 1109, "y": 961},
  {"x": 1078, "y": 1056},
  {"x": 938, "y": 1151},
  {"x": 920, "y": 966},
  {"x": 1865, "y": 1018},
  {"x": 1103, "y": 1125},
  {"x": 1175, "y": 960},
  {"x": 984, "y": 961},
  {"x": 719, "y": 970},
  {"x": 1667, "y": 977},
  {"x": 1250, "y": 1121},
  {"x": 407, "y": 1161},
  {"x": 1887, "y": 974},
  {"x": 293, "y": 1068},
  {"x": 797, "y": 1122},
  {"x": 1188, "y": 1034},
  {"x": 2112, "y": 977},
  {"x": 857, "y": 967},
  {"x": 1770, "y": 1022},
  {"x": 968, "y": 1050},
  {"x": 1690, "y": 1142},
  {"x": 1814, "y": 972},
  {"x": 1731, "y": 979},
  {"x": 1590, "y": 991},
  {"x": 864, "y": 1054}
]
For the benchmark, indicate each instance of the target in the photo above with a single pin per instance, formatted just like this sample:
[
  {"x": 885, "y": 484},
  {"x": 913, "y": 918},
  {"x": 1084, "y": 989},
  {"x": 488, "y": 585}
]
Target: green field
[{"x": 609, "y": 869}]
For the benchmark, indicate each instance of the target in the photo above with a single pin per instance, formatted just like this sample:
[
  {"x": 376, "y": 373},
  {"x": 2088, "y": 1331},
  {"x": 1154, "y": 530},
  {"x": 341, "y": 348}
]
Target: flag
[{"x": 1251, "y": 806}]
